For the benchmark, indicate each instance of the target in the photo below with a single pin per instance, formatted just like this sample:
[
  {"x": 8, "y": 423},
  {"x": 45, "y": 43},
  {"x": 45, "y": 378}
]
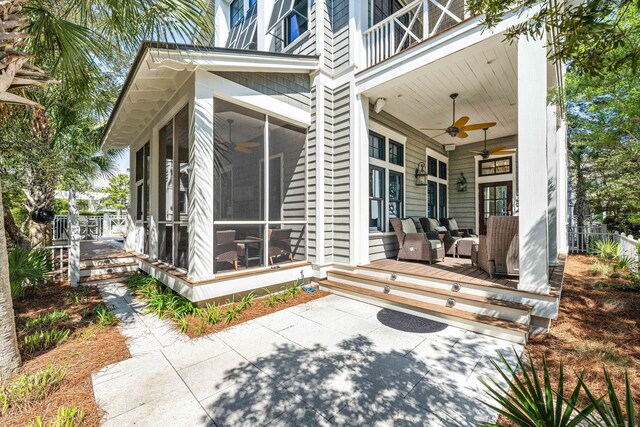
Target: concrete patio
[{"x": 333, "y": 361}]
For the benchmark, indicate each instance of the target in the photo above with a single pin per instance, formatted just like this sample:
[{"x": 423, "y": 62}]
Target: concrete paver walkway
[{"x": 328, "y": 362}]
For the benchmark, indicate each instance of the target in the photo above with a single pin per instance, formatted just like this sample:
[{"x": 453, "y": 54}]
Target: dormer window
[{"x": 237, "y": 11}]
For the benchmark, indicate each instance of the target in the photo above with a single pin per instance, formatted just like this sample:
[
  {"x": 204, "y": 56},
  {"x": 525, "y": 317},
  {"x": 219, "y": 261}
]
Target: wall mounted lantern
[
  {"x": 421, "y": 175},
  {"x": 462, "y": 183}
]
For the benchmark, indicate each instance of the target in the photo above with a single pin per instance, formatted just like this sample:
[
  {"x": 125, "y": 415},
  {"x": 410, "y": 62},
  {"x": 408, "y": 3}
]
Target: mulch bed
[
  {"x": 89, "y": 348},
  {"x": 597, "y": 327},
  {"x": 199, "y": 327}
]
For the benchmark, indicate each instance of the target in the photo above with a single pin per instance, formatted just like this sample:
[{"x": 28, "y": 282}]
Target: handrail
[{"x": 390, "y": 18}]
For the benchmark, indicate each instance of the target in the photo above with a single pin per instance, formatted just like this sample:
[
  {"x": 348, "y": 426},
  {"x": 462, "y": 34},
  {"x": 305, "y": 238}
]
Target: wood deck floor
[{"x": 461, "y": 270}]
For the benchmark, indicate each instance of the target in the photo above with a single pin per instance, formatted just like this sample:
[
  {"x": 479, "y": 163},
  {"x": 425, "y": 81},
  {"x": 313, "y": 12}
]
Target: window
[
  {"x": 252, "y": 2},
  {"x": 386, "y": 178},
  {"x": 173, "y": 190},
  {"x": 376, "y": 146},
  {"x": 296, "y": 23},
  {"x": 260, "y": 202},
  {"x": 396, "y": 153},
  {"x": 432, "y": 166},
  {"x": 437, "y": 185},
  {"x": 376, "y": 198},
  {"x": 237, "y": 11},
  {"x": 499, "y": 166}
]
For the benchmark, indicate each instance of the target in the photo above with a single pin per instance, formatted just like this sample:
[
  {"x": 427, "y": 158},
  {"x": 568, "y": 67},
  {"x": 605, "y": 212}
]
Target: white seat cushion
[{"x": 435, "y": 244}]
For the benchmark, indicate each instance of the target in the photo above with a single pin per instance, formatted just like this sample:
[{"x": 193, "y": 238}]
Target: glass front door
[{"x": 495, "y": 200}]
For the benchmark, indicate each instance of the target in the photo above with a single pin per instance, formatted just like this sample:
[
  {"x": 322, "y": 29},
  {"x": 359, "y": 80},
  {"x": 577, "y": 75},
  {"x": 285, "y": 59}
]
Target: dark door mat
[{"x": 408, "y": 322}]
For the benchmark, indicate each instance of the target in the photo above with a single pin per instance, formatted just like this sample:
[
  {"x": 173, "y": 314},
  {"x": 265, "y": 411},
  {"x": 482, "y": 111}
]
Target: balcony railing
[{"x": 415, "y": 22}]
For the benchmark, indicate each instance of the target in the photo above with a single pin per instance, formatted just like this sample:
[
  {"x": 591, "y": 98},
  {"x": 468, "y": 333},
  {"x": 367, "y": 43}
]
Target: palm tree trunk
[
  {"x": 12, "y": 230},
  {"x": 9, "y": 352}
]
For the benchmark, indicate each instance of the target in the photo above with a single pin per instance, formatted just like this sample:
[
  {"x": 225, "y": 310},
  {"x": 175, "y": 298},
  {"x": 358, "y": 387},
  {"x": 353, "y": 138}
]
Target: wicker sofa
[
  {"x": 498, "y": 252},
  {"x": 416, "y": 245}
]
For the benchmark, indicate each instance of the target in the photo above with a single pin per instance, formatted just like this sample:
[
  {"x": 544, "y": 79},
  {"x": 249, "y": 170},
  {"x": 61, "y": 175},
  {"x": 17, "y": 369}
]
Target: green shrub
[
  {"x": 47, "y": 319},
  {"x": 231, "y": 312},
  {"x": 28, "y": 389},
  {"x": 105, "y": 316},
  {"x": 66, "y": 417},
  {"x": 247, "y": 301},
  {"x": 44, "y": 340},
  {"x": 292, "y": 290},
  {"x": 610, "y": 413},
  {"x": 605, "y": 249},
  {"x": 273, "y": 299},
  {"x": 79, "y": 295},
  {"x": 27, "y": 268},
  {"x": 532, "y": 403},
  {"x": 214, "y": 314}
]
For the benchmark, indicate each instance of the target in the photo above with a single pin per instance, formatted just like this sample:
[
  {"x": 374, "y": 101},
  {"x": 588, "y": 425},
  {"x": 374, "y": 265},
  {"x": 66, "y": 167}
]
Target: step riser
[
  {"x": 106, "y": 261},
  {"x": 108, "y": 270},
  {"x": 104, "y": 281},
  {"x": 541, "y": 304},
  {"x": 500, "y": 312},
  {"x": 515, "y": 337}
]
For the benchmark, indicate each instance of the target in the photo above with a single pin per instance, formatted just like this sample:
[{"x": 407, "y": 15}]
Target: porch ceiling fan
[
  {"x": 459, "y": 128},
  {"x": 241, "y": 146},
  {"x": 500, "y": 149}
]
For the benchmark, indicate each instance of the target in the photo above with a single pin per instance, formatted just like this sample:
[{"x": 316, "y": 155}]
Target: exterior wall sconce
[
  {"x": 462, "y": 183},
  {"x": 421, "y": 175}
]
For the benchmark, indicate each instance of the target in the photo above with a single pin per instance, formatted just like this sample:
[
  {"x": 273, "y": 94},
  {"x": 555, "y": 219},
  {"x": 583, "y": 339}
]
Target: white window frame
[
  {"x": 386, "y": 165},
  {"x": 430, "y": 152},
  {"x": 283, "y": 29},
  {"x": 495, "y": 178}
]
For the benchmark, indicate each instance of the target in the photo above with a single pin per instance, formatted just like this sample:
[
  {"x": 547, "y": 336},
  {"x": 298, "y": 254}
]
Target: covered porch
[{"x": 516, "y": 167}]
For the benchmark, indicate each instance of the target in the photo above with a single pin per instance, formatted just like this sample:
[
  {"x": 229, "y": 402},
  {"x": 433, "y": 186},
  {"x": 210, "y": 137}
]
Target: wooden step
[
  {"x": 488, "y": 325},
  {"x": 109, "y": 265},
  {"x": 431, "y": 290},
  {"x": 105, "y": 278}
]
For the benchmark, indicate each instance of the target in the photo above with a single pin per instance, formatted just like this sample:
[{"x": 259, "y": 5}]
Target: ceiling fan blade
[
  {"x": 478, "y": 126},
  {"x": 243, "y": 150},
  {"x": 432, "y": 129},
  {"x": 462, "y": 134},
  {"x": 504, "y": 152},
  {"x": 496, "y": 149},
  {"x": 247, "y": 144},
  {"x": 461, "y": 122},
  {"x": 476, "y": 152},
  {"x": 439, "y": 135}
]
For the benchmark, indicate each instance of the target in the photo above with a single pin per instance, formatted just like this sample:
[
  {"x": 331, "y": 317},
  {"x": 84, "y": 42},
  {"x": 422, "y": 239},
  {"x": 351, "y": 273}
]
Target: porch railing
[
  {"x": 59, "y": 256},
  {"x": 417, "y": 21},
  {"x": 92, "y": 227}
]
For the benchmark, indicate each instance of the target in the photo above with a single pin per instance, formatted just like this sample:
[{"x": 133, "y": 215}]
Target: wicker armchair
[
  {"x": 498, "y": 252},
  {"x": 280, "y": 244},
  {"x": 416, "y": 246},
  {"x": 431, "y": 225},
  {"x": 452, "y": 226},
  {"x": 226, "y": 247}
]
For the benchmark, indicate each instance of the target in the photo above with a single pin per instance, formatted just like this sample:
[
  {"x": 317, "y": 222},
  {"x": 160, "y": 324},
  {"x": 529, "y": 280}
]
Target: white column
[
  {"x": 130, "y": 238},
  {"x": 74, "y": 240},
  {"x": 552, "y": 183},
  {"x": 201, "y": 182},
  {"x": 320, "y": 154},
  {"x": 358, "y": 23},
  {"x": 265, "y": 40},
  {"x": 563, "y": 184},
  {"x": 532, "y": 165},
  {"x": 154, "y": 194},
  {"x": 222, "y": 20},
  {"x": 359, "y": 175},
  {"x": 319, "y": 32}
]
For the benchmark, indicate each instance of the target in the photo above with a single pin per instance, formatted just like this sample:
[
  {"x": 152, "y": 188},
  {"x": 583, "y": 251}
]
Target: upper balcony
[{"x": 409, "y": 25}]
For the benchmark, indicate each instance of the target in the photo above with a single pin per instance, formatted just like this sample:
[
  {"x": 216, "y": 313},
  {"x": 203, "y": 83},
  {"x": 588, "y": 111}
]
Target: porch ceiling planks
[{"x": 485, "y": 76}]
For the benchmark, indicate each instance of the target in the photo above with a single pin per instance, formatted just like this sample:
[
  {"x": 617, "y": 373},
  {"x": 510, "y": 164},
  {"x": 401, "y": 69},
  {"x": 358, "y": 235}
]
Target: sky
[{"x": 122, "y": 166}]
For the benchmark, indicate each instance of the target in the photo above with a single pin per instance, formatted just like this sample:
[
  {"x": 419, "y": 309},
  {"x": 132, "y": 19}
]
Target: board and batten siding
[
  {"x": 385, "y": 245},
  {"x": 462, "y": 206}
]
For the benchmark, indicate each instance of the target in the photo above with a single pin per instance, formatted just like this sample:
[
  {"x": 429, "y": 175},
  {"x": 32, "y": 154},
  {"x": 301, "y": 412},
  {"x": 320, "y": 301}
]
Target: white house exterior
[{"x": 334, "y": 93}]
